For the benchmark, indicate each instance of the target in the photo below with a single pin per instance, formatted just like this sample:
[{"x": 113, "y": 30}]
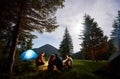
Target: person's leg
[
  {"x": 37, "y": 64},
  {"x": 50, "y": 67}
]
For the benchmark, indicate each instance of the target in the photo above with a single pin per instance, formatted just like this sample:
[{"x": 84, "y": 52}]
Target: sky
[{"x": 104, "y": 13}]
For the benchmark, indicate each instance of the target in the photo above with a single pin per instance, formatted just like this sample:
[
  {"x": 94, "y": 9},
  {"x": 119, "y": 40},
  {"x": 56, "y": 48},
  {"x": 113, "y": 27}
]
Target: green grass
[
  {"x": 85, "y": 68},
  {"x": 82, "y": 69}
]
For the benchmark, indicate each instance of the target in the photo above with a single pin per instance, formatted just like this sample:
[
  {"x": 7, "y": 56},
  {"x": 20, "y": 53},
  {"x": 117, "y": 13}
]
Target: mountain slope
[{"x": 48, "y": 49}]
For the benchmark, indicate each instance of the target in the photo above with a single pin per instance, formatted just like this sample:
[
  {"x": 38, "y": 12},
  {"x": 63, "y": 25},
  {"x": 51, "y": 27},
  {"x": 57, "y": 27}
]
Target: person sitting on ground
[
  {"x": 58, "y": 63},
  {"x": 40, "y": 59},
  {"x": 51, "y": 62},
  {"x": 67, "y": 63}
]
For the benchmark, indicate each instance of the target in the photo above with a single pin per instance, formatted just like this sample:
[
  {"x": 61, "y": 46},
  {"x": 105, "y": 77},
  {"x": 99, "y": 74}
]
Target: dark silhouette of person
[
  {"x": 58, "y": 63},
  {"x": 51, "y": 62},
  {"x": 40, "y": 59}
]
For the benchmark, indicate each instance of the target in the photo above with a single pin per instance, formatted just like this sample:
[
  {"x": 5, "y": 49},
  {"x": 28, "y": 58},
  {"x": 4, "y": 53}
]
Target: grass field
[{"x": 82, "y": 69}]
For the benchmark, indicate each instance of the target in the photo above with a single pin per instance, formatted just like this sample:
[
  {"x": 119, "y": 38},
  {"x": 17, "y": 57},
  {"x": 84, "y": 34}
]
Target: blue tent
[{"x": 28, "y": 54}]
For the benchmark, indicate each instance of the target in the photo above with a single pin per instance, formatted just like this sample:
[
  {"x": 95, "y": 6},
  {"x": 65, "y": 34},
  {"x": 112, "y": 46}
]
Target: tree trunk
[
  {"x": 93, "y": 55},
  {"x": 12, "y": 53},
  {"x": 92, "y": 52},
  {"x": 11, "y": 57}
]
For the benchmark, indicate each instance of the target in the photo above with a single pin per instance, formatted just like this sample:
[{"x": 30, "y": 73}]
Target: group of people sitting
[{"x": 54, "y": 61}]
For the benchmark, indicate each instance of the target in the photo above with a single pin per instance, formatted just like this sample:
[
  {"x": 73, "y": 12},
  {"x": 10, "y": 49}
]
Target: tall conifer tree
[
  {"x": 66, "y": 46},
  {"x": 116, "y": 33},
  {"x": 94, "y": 42}
]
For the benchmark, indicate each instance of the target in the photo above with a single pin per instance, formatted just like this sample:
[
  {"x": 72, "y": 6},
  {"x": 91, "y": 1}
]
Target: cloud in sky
[{"x": 71, "y": 16}]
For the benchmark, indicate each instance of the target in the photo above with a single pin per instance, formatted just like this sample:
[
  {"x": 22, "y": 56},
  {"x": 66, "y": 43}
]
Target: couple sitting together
[{"x": 54, "y": 61}]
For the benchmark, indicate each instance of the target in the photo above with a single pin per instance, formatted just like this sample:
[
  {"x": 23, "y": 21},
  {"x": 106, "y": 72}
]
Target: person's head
[
  {"x": 42, "y": 53},
  {"x": 67, "y": 56},
  {"x": 52, "y": 57},
  {"x": 56, "y": 55}
]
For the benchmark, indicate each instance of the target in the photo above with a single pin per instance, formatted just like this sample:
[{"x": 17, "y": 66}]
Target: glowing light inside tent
[{"x": 29, "y": 54}]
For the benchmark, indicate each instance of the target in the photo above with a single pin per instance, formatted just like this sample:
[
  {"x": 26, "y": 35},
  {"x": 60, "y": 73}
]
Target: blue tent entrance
[{"x": 28, "y": 54}]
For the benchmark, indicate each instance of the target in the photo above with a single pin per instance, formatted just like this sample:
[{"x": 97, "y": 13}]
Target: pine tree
[
  {"x": 115, "y": 36},
  {"x": 94, "y": 42},
  {"x": 28, "y": 15},
  {"x": 66, "y": 46}
]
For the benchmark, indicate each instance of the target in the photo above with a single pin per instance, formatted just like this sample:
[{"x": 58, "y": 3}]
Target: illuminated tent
[{"x": 28, "y": 54}]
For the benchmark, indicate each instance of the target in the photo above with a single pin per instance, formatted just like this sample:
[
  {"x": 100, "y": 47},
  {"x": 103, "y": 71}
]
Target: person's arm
[
  {"x": 71, "y": 61},
  {"x": 43, "y": 60}
]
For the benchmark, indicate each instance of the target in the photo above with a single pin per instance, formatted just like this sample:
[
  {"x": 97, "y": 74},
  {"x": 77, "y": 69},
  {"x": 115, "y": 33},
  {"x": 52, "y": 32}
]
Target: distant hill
[{"x": 48, "y": 49}]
